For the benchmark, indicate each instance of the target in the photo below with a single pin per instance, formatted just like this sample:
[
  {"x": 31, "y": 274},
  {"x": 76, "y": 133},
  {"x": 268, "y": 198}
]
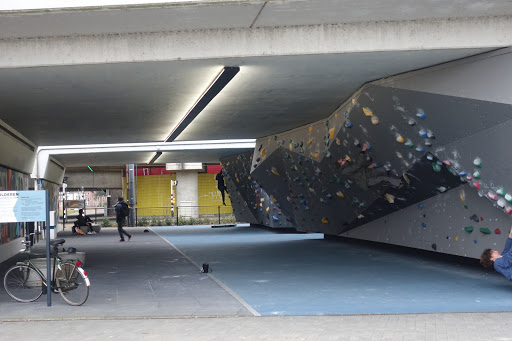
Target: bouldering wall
[
  {"x": 448, "y": 147},
  {"x": 249, "y": 200}
]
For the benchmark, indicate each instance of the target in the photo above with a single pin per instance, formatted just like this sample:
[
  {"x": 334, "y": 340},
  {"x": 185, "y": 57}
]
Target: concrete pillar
[{"x": 187, "y": 193}]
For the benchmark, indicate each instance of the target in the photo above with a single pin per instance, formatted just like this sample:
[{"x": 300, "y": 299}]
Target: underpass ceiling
[{"x": 142, "y": 102}]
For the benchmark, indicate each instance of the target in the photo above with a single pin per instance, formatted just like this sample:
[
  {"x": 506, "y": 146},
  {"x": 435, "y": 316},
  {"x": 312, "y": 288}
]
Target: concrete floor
[{"x": 146, "y": 289}]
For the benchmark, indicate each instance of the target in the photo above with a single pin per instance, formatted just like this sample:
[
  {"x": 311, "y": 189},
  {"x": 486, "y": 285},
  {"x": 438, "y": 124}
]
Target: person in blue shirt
[{"x": 502, "y": 262}]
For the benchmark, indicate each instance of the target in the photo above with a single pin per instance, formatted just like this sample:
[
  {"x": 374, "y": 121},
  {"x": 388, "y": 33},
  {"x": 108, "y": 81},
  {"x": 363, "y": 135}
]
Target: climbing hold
[
  {"x": 508, "y": 209},
  {"x": 430, "y": 157},
  {"x": 360, "y": 216},
  {"x": 478, "y": 162},
  {"x": 338, "y": 141},
  {"x": 315, "y": 155},
  {"x": 312, "y": 190},
  {"x": 462, "y": 195},
  {"x": 508, "y": 198},
  {"x": 262, "y": 152},
  {"x": 468, "y": 229},
  {"x": 441, "y": 189},
  {"x": 409, "y": 143},
  {"x": 339, "y": 194},
  {"x": 436, "y": 167},
  {"x": 268, "y": 208},
  {"x": 367, "y": 111},
  {"x": 469, "y": 177},
  {"x": 423, "y": 225},
  {"x": 456, "y": 238},
  {"x": 501, "y": 203},
  {"x": 375, "y": 120},
  {"x": 434, "y": 246},
  {"x": 463, "y": 173},
  {"x": 390, "y": 198},
  {"x": 501, "y": 192},
  {"x": 476, "y": 184},
  {"x": 492, "y": 196},
  {"x": 421, "y": 114},
  {"x": 497, "y": 231},
  {"x": 466, "y": 207},
  {"x": 420, "y": 206},
  {"x": 349, "y": 124},
  {"x": 325, "y": 220},
  {"x": 474, "y": 217},
  {"x": 274, "y": 171},
  {"x": 430, "y": 135},
  {"x": 476, "y": 175},
  {"x": 322, "y": 200},
  {"x": 485, "y": 230},
  {"x": 356, "y": 143},
  {"x": 331, "y": 133},
  {"x": 475, "y": 241},
  {"x": 275, "y": 218},
  {"x": 326, "y": 123},
  {"x": 428, "y": 143},
  {"x": 399, "y": 155},
  {"x": 411, "y": 122},
  {"x": 448, "y": 162},
  {"x": 273, "y": 198},
  {"x": 399, "y": 138},
  {"x": 310, "y": 129},
  {"x": 423, "y": 133}
]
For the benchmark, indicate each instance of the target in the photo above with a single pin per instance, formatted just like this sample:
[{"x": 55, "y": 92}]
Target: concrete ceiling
[{"x": 143, "y": 101}]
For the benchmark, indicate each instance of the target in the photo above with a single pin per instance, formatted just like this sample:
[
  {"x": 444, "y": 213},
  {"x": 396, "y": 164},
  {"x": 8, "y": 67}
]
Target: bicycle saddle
[{"x": 57, "y": 242}]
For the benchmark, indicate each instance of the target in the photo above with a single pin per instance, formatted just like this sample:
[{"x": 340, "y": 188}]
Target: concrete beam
[{"x": 481, "y": 32}]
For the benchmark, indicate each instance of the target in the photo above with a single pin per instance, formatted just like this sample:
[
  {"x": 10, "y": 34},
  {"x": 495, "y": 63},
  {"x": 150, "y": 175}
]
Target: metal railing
[{"x": 160, "y": 215}]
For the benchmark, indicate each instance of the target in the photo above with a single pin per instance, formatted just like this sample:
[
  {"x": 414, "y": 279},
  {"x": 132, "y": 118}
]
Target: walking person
[{"x": 122, "y": 210}]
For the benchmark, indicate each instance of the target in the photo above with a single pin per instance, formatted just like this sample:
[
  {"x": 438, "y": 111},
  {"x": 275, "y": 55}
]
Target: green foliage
[{"x": 106, "y": 222}]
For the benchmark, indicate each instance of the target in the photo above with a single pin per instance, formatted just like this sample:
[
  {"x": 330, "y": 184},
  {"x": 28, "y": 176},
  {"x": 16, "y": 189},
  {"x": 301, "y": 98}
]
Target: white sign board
[{"x": 22, "y": 206}]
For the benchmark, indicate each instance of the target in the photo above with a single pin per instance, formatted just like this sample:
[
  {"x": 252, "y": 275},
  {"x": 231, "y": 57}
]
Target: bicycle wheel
[
  {"x": 23, "y": 283},
  {"x": 72, "y": 284}
]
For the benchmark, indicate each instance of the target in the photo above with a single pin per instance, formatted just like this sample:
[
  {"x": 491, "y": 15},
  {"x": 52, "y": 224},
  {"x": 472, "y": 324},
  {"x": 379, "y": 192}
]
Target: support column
[
  {"x": 131, "y": 193},
  {"x": 187, "y": 193}
]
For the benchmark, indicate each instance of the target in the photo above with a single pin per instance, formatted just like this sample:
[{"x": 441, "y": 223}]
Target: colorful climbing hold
[
  {"x": 315, "y": 155},
  {"x": 390, "y": 198},
  {"x": 399, "y": 155},
  {"x": 411, "y": 122},
  {"x": 325, "y": 220},
  {"x": 492, "y": 196},
  {"x": 497, "y": 231},
  {"x": 349, "y": 124},
  {"x": 476, "y": 175},
  {"x": 456, "y": 238},
  {"x": 448, "y": 162},
  {"x": 476, "y": 184},
  {"x": 468, "y": 229},
  {"x": 423, "y": 225},
  {"x": 420, "y": 149},
  {"x": 428, "y": 143},
  {"x": 375, "y": 120},
  {"x": 478, "y": 162},
  {"x": 338, "y": 141},
  {"x": 436, "y": 167},
  {"x": 508, "y": 198},
  {"x": 268, "y": 209},
  {"x": 421, "y": 114},
  {"x": 420, "y": 206},
  {"x": 274, "y": 171},
  {"x": 430, "y": 134},
  {"x": 462, "y": 195},
  {"x": 275, "y": 218},
  {"x": 409, "y": 143},
  {"x": 339, "y": 194},
  {"x": 508, "y": 209},
  {"x": 423, "y": 133},
  {"x": 501, "y": 203},
  {"x": 501, "y": 192},
  {"x": 367, "y": 111},
  {"x": 463, "y": 173},
  {"x": 331, "y": 133},
  {"x": 399, "y": 138},
  {"x": 485, "y": 230},
  {"x": 262, "y": 152}
]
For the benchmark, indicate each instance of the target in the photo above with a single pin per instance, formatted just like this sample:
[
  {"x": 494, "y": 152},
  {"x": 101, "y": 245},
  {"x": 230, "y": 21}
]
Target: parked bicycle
[{"x": 25, "y": 282}]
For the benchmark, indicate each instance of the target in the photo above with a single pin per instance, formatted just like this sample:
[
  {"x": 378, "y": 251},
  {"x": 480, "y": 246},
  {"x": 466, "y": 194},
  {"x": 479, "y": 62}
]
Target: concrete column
[{"x": 187, "y": 194}]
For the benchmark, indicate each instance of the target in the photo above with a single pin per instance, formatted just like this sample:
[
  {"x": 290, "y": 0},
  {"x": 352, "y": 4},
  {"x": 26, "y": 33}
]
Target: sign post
[{"x": 29, "y": 206}]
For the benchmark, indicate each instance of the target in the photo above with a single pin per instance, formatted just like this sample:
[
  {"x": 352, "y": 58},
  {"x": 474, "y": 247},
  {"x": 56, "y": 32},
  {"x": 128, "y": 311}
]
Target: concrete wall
[
  {"x": 101, "y": 179},
  {"x": 453, "y": 149}
]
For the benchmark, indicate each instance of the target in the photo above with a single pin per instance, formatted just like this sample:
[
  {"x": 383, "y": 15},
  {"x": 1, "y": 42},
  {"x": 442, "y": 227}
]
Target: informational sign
[{"x": 22, "y": 206}]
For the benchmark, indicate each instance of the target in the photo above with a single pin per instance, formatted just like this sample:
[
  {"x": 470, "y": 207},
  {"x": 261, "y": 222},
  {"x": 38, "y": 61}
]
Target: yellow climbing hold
[
  {"x": 262, "y": 153},
  {"x": 354, "y": 100},
  {"x": 338, "y": 141},
  {"x": 390, "y": 198},
  {"x": 331, "y": 133},
  {"x": 398, "y": 155},
  {"x": 339, "y": 194},
  {"x": 336, "y": 115},
  {"x": 325, "y": 220},
  {"x": 315, "y": 155},
  {"x": 227, "y": 164},
  {"x": 312, "y": 190},
  {"x": 367, "y": 111},
  {"x": 399, "y": 138},
  {"x": 348, "y": 158},
  {"x": 273, "y": 198},
  {"x": 262, "y": 200},
  {"x": 375, "y": 120},
  {"x": 456, "y": 238},
  {"x": 462, "y": 195},
  {"x": 268, "y": 209},
  {"x": 310, "y": 129},
  {"x": 310, "y": 141},
  {"x": 290, "y": 146},
  {"x": 274, "y": 171}
]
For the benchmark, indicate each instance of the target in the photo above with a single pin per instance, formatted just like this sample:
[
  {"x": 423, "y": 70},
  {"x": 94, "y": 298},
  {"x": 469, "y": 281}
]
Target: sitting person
[{"x": 82, "y": 221}]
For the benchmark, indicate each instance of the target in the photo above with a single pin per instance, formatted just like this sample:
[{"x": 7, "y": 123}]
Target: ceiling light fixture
[{"x": 222, "y": 79}]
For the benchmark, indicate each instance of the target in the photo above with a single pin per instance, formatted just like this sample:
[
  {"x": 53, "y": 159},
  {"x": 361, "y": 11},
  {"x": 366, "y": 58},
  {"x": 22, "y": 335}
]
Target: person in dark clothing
[
  {"x": 502, "y": 262},
  {"x": 364, "y": 173},
  {"x": 120, "y": 208},
  {"x": 82, "y": 220},
  {"x": 221, "y": 186}
]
